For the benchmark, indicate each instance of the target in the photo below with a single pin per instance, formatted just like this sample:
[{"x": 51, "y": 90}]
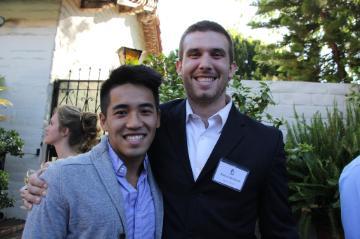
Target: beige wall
[
  {"x": 90, "y": 38},
  {"x": 26, "y": 52}
]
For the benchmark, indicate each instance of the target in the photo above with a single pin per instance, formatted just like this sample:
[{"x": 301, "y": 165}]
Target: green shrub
[
  {"x": 317, "y": 152},
  {"x": 10, "y": 142},
  {"x": 5, "y": 200},
  {"x": 354, "y": 95},
  {"x": 254, "y": 104},
  {"x": 172, "y": 87}
]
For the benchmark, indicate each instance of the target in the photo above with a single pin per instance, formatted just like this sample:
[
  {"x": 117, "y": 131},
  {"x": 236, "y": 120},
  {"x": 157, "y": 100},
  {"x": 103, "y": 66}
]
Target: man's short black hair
[{"x": 133, "y": 74}]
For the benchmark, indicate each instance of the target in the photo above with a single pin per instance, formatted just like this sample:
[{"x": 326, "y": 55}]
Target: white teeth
[
  {"x": 134, "y": 137},
  {"x": 205, "y": 79}
]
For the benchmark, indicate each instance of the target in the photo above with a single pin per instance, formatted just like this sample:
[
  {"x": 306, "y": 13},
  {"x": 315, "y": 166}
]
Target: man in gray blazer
[{"x": 110, "y": 191}]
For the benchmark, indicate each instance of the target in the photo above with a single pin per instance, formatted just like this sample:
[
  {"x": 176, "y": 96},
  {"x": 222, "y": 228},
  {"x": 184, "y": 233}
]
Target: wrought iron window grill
[{"x": 82, "y": 93}]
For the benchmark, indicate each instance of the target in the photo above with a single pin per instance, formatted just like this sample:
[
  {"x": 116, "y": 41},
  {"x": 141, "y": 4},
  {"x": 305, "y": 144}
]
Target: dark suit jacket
[{"x": 205, "y": 209}]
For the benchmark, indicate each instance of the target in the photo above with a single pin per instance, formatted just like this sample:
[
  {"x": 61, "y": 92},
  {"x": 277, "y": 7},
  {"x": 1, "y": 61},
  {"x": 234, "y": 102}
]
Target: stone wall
[{"x": 305, "y": 97}]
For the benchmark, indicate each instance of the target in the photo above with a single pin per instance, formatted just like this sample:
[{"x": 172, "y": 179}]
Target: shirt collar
[
  {"x": 222, "y": 113},
  {"x": 118, "y": 164}
]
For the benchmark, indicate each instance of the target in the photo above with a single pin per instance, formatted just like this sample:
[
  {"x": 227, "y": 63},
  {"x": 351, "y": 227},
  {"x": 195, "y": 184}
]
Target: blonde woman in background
[{"x": 71, "y": 132}]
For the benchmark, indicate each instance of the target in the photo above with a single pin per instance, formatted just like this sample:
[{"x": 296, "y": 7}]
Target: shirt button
[{"x": 122, "y": 170}]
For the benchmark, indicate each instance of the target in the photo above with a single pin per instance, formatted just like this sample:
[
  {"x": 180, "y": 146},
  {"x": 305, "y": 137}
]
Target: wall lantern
[
  {"x": 2, "y": 21},
  {"x": 128, "y": 55}
]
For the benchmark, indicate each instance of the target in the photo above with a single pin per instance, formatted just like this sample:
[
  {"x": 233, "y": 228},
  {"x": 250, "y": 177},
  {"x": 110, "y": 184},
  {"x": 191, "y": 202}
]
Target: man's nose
[
  {"x": 205, "y": 62},
  {"x": 134, "y": 121}
]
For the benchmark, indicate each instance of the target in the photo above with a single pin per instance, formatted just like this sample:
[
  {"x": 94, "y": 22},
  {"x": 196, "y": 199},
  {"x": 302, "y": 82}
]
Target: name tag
[{"x": 230, "y": 175}]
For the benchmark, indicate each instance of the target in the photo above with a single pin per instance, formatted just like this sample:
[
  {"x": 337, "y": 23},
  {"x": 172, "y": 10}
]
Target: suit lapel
[
  {"x": 102, "y": 163},
  {"x": 177, "y": 132},
  {"x": 232, "y": 133}
]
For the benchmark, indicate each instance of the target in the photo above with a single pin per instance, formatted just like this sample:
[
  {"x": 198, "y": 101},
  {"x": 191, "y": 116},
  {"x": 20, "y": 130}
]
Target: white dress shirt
[{"x": 201, "y": 140}]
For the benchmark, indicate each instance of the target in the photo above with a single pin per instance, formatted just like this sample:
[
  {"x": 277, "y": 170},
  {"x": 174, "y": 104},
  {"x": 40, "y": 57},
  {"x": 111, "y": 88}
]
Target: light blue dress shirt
[
  {"x": 139, "y": 203},
  {"x": 349, "y": 185}
]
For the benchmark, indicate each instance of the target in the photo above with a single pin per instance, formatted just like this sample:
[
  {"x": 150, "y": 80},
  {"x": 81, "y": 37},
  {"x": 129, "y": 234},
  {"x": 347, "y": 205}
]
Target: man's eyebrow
[
  {"x": 120, "y": 106},
  {"x": 218, "y": 50},
  {"x": 192, "y": 50},
  {"x": 150, "y": 105},
  {"x": 211, "y": 49},
  {"x": 125, "y": 106}
]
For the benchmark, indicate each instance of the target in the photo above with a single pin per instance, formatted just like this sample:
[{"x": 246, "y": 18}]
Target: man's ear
[
  {"x": 103, "y": 121},
  {"x": 233, "y": 69},
  {"x": 178, "y": 67},
  {"x": 158, "y": 119}
]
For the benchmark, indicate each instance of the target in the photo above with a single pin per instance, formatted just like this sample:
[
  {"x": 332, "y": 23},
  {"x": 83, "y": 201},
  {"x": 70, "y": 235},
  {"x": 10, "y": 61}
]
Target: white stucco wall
[
  {"x": 90, "y": 38},
  {"x": 26, "y": 51}
]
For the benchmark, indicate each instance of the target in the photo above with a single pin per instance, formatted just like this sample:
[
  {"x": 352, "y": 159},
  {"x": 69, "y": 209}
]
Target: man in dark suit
[{"x": 219, "y": 170}]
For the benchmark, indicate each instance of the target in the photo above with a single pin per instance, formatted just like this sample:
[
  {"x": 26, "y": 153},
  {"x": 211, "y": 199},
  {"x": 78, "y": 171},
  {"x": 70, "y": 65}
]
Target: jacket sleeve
[
  {"x": 49, "y": 218},
  {"x": 275, "y": 219}
]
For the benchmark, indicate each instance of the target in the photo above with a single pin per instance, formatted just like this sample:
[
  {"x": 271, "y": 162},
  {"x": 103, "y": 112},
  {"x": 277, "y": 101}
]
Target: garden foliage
[
  {"x": 317, "y": 152},
  {"x": 5, "y": 199}
]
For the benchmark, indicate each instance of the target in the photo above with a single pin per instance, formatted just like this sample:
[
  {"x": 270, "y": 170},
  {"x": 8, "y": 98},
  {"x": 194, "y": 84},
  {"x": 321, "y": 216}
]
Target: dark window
[{"x": 95, "y": 3}]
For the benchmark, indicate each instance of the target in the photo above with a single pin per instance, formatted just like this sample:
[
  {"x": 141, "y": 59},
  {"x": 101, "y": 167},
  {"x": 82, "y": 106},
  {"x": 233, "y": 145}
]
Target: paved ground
[
  {"x": 11, "y": 228},
  {"x": 16, "y": 235}
]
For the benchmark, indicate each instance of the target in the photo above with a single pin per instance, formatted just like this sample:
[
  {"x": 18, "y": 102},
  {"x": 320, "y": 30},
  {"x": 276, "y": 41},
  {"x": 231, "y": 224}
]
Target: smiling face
[
  {"x": 131, "y": 120},
  {"x": 205, "y": 67},
  {"x": 53, "y": 134}
]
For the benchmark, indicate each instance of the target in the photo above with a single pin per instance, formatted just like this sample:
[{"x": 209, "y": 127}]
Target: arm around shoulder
[{"x": 49, "y": 218}]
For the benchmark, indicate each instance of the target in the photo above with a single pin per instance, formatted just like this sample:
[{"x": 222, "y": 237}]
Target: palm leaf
[{"x": 5, "y": 102}]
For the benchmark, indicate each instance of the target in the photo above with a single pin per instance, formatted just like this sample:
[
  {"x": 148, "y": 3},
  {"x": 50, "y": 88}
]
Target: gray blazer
[{"x": 84, "y": 200}]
